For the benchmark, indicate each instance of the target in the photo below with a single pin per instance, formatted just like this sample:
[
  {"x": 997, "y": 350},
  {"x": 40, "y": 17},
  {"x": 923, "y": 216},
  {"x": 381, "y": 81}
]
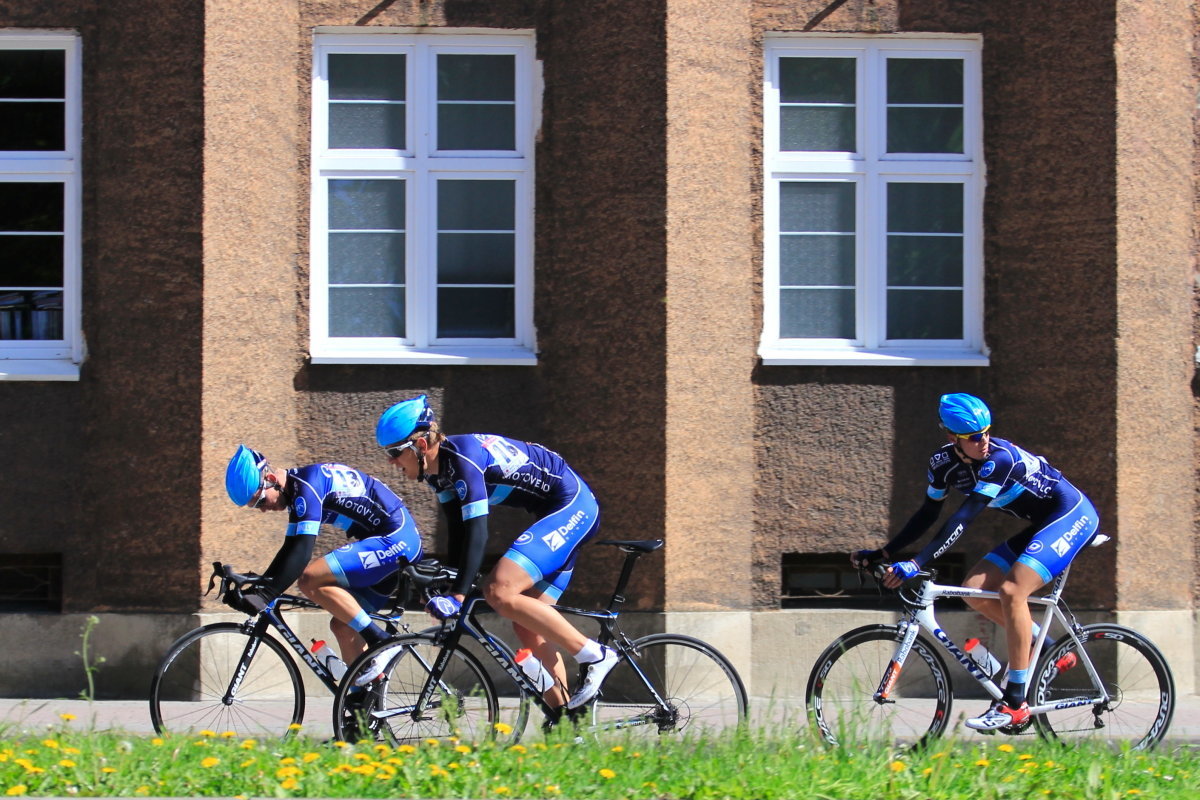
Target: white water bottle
[
  {"x": 328, "y": 659},
  {"x": 531, "y": 666},
  {"x": 983, "y": 657}
]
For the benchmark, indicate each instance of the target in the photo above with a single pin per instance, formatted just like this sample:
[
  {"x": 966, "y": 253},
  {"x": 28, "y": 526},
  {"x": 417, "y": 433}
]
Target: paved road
[{"x": 134, "y": 717}]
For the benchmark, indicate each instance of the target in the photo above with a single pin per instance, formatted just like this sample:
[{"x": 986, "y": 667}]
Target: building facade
[{"x": 723, "y": 256}]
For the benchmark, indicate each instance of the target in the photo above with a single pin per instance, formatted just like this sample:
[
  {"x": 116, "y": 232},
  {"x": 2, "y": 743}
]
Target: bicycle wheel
[
  {"x": 190, "y": 689},
  {"x": 1136, "y": 676},
  {"x": 701, "y": 689},
  {"x": 464, "y": 705},
  {"x": 841, "y": 690}
]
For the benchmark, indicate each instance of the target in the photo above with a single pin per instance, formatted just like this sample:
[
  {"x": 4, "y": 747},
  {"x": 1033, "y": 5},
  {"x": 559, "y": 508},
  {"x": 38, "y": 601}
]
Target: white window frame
[
  {"x": 421, "y": 167},
  {"x": 871, "y": 168},
  {"x": 58, "y": 359}
]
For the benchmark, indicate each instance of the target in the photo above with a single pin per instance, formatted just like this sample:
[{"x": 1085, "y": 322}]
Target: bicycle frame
[{"x": 919, "y": 615}]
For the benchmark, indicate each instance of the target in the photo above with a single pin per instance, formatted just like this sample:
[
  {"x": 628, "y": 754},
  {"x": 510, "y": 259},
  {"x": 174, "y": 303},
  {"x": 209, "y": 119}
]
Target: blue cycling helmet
[
  {"x": 243, "y": 476},
  {"x": 403, "y": 420},
  {"x": 964, "y": 413}
]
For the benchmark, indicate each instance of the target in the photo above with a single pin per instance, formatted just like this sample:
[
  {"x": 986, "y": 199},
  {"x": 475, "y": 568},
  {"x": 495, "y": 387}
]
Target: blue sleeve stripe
[
  {"x": 1007, "y": 497},
  {"x": 935, "y": 494},
  {"x": 446, "y": 496},
  {"x": 987, "y": 489},
  {"x": 306, "y": 528},
  {"x": 343, "y": 522},
  {"x": 498, "y": 494},
  {"x": 477, "y": 509}
]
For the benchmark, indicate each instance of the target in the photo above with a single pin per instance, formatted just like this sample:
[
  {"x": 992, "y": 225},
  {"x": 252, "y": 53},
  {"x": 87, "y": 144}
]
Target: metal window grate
[
  {"x": 30, "y": 582},
  {"x": 825, "y": 580}
]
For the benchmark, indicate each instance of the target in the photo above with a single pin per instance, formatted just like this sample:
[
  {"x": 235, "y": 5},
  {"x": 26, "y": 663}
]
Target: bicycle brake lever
[{"x": 212, "y": 579}]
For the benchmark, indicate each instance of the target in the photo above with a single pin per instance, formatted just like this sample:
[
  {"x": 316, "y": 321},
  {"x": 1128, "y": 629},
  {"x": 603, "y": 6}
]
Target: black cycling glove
[{"x": 249, "y": 598}]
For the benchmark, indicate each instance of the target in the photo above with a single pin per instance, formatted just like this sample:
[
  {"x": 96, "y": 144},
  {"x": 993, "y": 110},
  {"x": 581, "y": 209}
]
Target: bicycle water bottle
[
  {"x": 529, "y": 664},
  {"x": 328, "y": 659},
  {"x": 983, "y": 657}
]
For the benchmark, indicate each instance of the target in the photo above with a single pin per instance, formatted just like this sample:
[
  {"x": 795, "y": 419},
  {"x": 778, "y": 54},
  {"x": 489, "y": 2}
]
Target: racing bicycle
[{"x": 890, "y": 684}]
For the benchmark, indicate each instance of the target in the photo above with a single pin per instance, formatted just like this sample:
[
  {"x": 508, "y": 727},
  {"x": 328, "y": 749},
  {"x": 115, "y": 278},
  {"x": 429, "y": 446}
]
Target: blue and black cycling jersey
[
  {"x": 1016, "y": 481},
  {"x": 335, "y": 494}
]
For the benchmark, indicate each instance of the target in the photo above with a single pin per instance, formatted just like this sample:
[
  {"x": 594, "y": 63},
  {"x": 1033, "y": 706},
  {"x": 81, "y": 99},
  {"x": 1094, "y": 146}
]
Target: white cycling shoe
[{"x": 596, "y": 673}]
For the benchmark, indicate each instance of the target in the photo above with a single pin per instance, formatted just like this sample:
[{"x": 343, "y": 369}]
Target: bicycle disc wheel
[
  {"x": 464, "y": 704},
  {"x": 701, "y": 690},
  {"x": 841, "y": 690},
  {"x": 1135, "y": 675},
  {"x": 191, "y": 687}
]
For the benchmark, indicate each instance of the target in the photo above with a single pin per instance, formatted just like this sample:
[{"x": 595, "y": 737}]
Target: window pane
[
  {"x": 925, "y": 314},
  {"x": 476, "y": 258},
  {"x": 925, "y": 130},
  {"x": 28, "y": 207},
  {"x": 816, "y": 207},
  {"x": 471, "y": 205},
  {"x": 31, "y": 238},
  {"x": 816, "y": 313},
  {"x": 354, "y": 126},
  {"x": 925, "y": 260},
  {"x": 366, "y": 205},
  {"x": 372, "y": 311},
  {"x": 817, "y": 99},
  {"x": 31, "y": 315},
  {"x": 925, "y": 207},
  {"x": 808, "y": 128},
  {"x": 31, "y": 261},
  {"x": 925, "y": 80},
  {"x": 366, "y": 258},
  {"x": 27, "y": 74},
  {"x": 476, "y": 102},
  {"x": 354, "y": 76},
  {"x": 33, "y": 126},
  {"x": 475, "y": 313},
  {"x": 816, "y": 260},
  {"x": 925, "y": 105}
]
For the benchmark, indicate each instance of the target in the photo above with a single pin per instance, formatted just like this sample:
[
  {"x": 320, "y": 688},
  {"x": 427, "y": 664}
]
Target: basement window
[{"x": 30, "y": 582}]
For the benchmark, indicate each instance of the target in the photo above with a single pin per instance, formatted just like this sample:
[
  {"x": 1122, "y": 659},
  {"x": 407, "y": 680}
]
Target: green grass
[{"x": 64, "y": 761}]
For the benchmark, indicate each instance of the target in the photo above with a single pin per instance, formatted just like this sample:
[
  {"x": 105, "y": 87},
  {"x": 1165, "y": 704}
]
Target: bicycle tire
[
  {"x": 467, "y": 706},
  {"x": 187, "y": 693},
  {"x": 1135, "y": 674},
  {"x": 840, "y": 695},
  {"x": 702, "y": 689}
]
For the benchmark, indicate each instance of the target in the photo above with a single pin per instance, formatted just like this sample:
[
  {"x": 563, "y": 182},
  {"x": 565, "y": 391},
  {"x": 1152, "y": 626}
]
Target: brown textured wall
[
  {"x": 1156, "y": 252},
  {"x": 842, "y": 450},
  {"x": 596, "y": 395},
  {"x": 105, "y": 470}
]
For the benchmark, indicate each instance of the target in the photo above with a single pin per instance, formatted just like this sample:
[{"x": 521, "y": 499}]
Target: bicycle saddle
[{"x": 641, "y": 546}]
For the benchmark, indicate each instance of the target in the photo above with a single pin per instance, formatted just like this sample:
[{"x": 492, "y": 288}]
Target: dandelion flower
[
  {"x": 288, "y": 772},
  {"x": 462, "y": 748},
  {"x": 228, "y": 734},
  {"x": 210, "y": 762},
  {"x": 433, "y": 742},
  {"x": 607, "y": 773},
  {"x": 207, "y": 734},
  {"x": 295, "y": 726},
  {"x": 156, "y": 742},
  {"x": 518, "y": 748},
  {"x": 248, "y": 744},
  {"x": 67, "y": 717},
  {"x": 1025, "y": 757},
  {"x": 311, "y": 757},
  {"x": 406, "y": 748},
  {"x": 19, "y": 789},
  {"x": 503, "y": 729},
  {"x": 66, "y": 762},
  {"x": 290, "y": 783},
  {"x": 72, "y": 751},
  {"x": 501, "y": 790},
  {"x": 898, "y": 766},
  {"x": 1006, "y": 748},
  {"x": 983, "y": 762},
  {"x": 927, "y": 771},
  {"x": 108, "y": 770},
  {"x": 618, "y": 749},
  {"x": 50, "y": 743}
]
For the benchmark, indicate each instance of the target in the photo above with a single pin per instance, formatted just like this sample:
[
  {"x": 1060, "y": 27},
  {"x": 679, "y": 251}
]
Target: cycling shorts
[
  {"x": 1047, "y": 547},
  {"x": 360, "y": 566},
  {"x": 548, "y": 548}
]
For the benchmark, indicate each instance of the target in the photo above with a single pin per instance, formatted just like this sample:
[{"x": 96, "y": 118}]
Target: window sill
[
  {"x": 19, "y": 369},
  {"x": 475, "y": 356},
  {"x": 781, "y": 356}
]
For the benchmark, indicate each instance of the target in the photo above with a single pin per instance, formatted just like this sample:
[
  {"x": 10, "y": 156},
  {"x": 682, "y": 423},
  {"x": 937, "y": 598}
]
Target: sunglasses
[
  {"x": 396, "y": 450},
  {"x": 971, "y": 437},
  {"x": 262, "y": 493}
]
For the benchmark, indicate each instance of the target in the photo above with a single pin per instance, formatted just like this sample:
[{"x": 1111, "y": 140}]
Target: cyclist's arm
[
  {"x": 953, "y": 528},
  {"x": 471, "y": 549},
  {"x": 916, "y": 526},
  {"x": 288, "y": 563}
]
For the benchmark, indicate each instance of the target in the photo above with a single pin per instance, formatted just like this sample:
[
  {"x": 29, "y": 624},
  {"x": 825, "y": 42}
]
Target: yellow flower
[
  {"x": 433, "y": 742},
  {"x": 247, "y": 744},
  {"x": 983, "y": 762},
  {"x": 898, "y": 766},
  {"x": 1048, "y": 764},
  {"x": 503, "y": 729},
  {"x": 462, "y": 748},
  {"x": 156, "y": 742},
  {"x": 290, "y": 783},
  {"x": 249, "y": 762},
  {"x": 382, "y": 749},
  {"x": 210, "y": 762},
  {"x": 607, "y": 773},
  {"x": 19, "y": 789},
  {"x": 72, "y": 751},
  {"x": 311, "y": 757},
  {"x": 295, "y": 726},
  {"x": 66, "y": 762},
  {"x": 208, "y": 734},
  {"x": 108, "y": 770},
  {"x": 1006, "y": 748},
  {"x": 288, "y": 772},
  {"x": 227, "y": 734},
  {"x": 142, "y": 790},
  {"x": 1025, "y": 757},
  {"x": 552, "y": 788},
  {"x": 406, "y": 748},
  {"x": 50, "y": 743},
  {"x": 500, "y": 790},
  {"x": 1134, "y": 791},
  {"x": 518, "y": 748},
  {"x": 618, "y": 749},
  {"x": 361, "y": 757},
  {"x": 927, "y": 771},
  {"x": 288, "y": 760},
  {"x": 67, "y": 717},
  {"x": 341, "y": 744}
]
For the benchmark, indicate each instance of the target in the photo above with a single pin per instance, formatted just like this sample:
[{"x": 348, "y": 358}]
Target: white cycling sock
[{"x": 591, "y": 652}]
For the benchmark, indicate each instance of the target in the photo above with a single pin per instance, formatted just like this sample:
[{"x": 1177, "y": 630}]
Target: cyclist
[
  {"x": 351, "y": 580},
  {"x": 994, "y": 472},
  {"x": 471, "y": 472}
]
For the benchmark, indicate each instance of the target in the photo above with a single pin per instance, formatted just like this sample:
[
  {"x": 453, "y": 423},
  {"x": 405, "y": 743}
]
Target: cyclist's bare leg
[
  {"x": 1021, "y": 582},
  {"x": 987, "y": 576},
  {"x": 505, "y": 591},
  {"x": 319, "y": 584},
  {"x": 549, "y": 656}
]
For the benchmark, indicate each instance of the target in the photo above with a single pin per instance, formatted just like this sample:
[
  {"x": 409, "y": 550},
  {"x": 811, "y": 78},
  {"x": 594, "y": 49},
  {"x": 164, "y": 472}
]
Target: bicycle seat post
[{"x": 618, "y": 596}]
